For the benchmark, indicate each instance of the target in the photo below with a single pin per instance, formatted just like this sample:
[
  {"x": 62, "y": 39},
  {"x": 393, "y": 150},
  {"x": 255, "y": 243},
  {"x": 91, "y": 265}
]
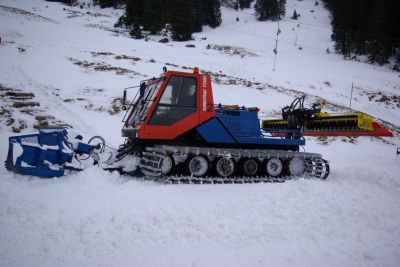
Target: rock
[
  {"x": 163, "y": 40},
  {"x": 190, "y": 45}
]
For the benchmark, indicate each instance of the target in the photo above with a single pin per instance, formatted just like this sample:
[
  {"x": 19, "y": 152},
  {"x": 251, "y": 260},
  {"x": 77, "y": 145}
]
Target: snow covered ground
[{"x": 75, "y": 64}]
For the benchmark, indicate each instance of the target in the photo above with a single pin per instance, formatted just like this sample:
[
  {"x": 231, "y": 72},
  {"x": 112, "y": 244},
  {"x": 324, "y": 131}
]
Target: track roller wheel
[
  {"x": 297, "y": 166},
  {"x": 198, "y": 166},
  {"x": 250, "y": 167},
  {"x": 167, "y": 165},
  {"x": 274, "y": 167},
  {"x": 225, "y": 167}
]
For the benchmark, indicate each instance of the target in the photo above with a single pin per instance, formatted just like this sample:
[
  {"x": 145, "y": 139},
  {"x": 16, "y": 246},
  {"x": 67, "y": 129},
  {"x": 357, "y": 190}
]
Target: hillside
[{"x": 72, "y": 64}]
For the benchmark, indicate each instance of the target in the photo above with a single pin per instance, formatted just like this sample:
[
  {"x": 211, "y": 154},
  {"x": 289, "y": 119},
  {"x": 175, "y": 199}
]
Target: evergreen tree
[
  {"x": 270, "y": 9},
  {"x": 134, "y": 12},
  {"x": 154, "y": 18},
  {"x": 244, "y": 3},
  {"x": 366, "y": 27},
  {"x": 198, "y": 15},
  {"x": 212, "y": 13},
  {"x": 136, "y": 31},
  {"x": 180, "y": 18},
  {"x": 282, "y": 8},
  {"x": 184, "y": 16},
  {"x": 295, "y": 15},
  {"x": 108, "y": 3}
]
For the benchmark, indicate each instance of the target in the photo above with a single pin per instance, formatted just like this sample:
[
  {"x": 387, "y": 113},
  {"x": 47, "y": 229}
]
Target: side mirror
[
  {"x": 124, "y": 98},
  {"x": 142, "y": 89},
  {"x": 123, "y": 107}
]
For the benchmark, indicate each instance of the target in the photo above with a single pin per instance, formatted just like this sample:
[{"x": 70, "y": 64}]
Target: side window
[
  {"x": 171, "y": 93},
  {"x": 177, "y": 101},
  {"x": 187, "y": 95}
]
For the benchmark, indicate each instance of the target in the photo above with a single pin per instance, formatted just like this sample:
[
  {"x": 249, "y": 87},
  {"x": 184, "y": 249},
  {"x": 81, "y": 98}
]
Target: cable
[
  {"x": 110, "y": 147},
  {"x": 102, "y": 144}
]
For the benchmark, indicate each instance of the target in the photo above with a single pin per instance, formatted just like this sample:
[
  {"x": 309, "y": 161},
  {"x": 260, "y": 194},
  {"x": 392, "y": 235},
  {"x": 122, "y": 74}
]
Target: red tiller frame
[{"x": 378, "y": 131}]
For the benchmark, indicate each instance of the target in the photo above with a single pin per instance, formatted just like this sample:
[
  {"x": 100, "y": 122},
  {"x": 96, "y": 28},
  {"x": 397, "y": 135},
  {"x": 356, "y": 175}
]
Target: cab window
[{"x": 177, "y": 101}]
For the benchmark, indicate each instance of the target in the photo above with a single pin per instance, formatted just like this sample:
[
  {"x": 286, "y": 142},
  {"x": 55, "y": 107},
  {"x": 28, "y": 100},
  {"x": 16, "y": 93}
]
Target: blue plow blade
[{"x": 44, "y": 154}]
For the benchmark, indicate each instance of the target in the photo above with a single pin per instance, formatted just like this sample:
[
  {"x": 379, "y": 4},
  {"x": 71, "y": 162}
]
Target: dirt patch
[
  {"x": 119, "y": 57},
  {"x": 21, "y": 104},
  {"x": 116, "y": 32},
  {"x": 4, "y": 112},
  {"x": 44, "y": 117},
  {"x": 90, "y": 90},
  {"x": 117, "y": 70},
  {"x": 48, "y": 121},
  {"x": 19, "y": 96},
  {"x": 4, "y": 88},
  {"x": 384, "y": 98},
  {"x": 349, "y": 139},
  {"x": 47, "y": 125},
  {"x": 19, "y": 127},
  {"x": 30, "y": 112},
  {"x": 75, "y": 14},
  {"x": 96, "y": 54},
  {"x": 232, "y": 50},
  {"x": 102, "y": 66},
  {"x": 115, "y": 106},
  {"x": 10, "y": 121},
  {"x": 171, "y": 64},
  {"x": 326, "y": 140}
]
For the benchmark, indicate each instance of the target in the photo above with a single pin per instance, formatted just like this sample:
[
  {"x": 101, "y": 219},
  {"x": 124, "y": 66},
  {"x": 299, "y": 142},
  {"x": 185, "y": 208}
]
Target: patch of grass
[
  {"x": 101, "y": 54},
  {"x": 232, "y": 50},
  {"x": 119, "y": 57},
  {"x": 22, "y": 104},
  {"x": 103, "y": 67},
  {"x": 384, "y": 98}
]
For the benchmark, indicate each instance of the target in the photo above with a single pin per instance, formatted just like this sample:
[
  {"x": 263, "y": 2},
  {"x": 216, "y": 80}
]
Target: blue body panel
[
  {"x": 241, "y": 127},
  {"x": 214, "y": 132},
  {"x": 240, "y": 123}
]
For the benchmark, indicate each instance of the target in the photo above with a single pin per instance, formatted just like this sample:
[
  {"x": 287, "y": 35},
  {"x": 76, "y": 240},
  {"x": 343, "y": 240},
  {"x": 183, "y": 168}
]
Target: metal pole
[
  {"x": 276, "y": 45},
  {"x": 351, "y": 94}
]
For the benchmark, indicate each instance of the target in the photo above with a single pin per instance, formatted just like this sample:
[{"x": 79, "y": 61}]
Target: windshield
[{"x": 142, "y": 105}]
